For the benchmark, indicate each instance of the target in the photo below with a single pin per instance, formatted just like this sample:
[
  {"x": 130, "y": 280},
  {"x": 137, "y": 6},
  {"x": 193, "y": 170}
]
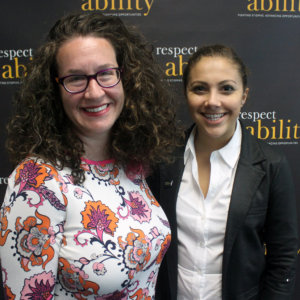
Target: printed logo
[
  {"x": 274, "y": 5},
  {"x": 173, "y": 60},
  {"x": 266, "y": 126},
  {"x": 13, "y": 69},
  {"x": 129, "y": 8},
  {"x": 272, "y": 9}
]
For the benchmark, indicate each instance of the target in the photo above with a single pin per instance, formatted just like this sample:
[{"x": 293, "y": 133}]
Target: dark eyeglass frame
[{"x": 60, "y": 80}]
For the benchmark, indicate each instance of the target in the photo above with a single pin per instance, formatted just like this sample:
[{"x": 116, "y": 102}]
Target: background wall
[{"x": 265, "y": 33}]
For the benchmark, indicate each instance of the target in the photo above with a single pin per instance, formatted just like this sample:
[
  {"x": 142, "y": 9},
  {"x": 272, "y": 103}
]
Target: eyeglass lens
[{"x": 105, "y": 78}]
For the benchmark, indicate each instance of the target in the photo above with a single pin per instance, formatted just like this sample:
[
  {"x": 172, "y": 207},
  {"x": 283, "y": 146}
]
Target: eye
[
  {"x": 198, "y": 89},
  {"x": 228, "y": 88},
  {"x": 75, "y": 79},
  {"x": 106, "y": 73}
]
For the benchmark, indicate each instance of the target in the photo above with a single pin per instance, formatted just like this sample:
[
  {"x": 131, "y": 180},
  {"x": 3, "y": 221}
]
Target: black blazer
[{"x": 262, "y": 212}]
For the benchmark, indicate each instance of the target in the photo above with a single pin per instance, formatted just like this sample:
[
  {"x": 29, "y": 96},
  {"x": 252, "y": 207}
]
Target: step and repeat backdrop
[{"x": 265, "y": 33}]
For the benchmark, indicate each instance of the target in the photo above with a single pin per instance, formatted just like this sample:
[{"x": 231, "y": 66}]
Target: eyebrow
[
  {"x": 228, "y": 80},
  {"x": 101, "y": 67},
  {"x": 219, "y": 83}
]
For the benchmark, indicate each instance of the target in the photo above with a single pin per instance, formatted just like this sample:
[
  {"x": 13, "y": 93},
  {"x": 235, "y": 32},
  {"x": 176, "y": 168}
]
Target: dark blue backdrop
[{"x": 264, "y": 33}]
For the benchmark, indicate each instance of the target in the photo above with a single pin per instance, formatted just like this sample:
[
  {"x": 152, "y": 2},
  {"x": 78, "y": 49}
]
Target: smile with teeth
[
  {"x": 96, "y": 109},
  {"x": 213, "y": 117}
]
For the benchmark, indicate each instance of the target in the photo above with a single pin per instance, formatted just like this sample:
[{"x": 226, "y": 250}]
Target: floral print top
[{"x": 103, "y": 239}]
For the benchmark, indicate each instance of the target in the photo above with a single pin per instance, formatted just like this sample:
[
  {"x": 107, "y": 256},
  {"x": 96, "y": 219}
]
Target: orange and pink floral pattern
[{"x": 103, "y": 239}]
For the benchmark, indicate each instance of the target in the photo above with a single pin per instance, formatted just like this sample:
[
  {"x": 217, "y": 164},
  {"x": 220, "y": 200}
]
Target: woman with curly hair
[{"x": 78, "y": 219}]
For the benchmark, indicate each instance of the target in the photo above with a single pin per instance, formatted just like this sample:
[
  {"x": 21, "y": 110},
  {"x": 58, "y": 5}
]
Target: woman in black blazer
[{"x": 229, "y": 197}]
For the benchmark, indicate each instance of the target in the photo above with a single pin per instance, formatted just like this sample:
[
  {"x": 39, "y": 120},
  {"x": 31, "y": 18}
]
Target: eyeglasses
[{"x": 75, "y": 84}]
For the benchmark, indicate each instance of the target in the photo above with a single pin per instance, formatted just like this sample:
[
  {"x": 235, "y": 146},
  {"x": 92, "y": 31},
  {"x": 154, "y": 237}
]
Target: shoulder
[
  {"x": 34, "y": 170},
  {"x": 168, "y": 171},
  {"x": 267, "y": 158},
  {"x": 34, "y": 163},
  {"x": 256, "y": 148}
]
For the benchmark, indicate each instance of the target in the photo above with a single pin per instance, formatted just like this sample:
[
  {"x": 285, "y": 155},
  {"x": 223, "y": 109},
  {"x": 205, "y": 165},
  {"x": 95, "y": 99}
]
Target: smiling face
[
  {"x": 94, "y": 111},
  {"x": 215, "y": 95}
]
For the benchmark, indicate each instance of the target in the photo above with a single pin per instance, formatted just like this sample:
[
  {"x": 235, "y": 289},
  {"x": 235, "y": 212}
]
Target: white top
[
  {"x": 202, "y": 221},
  {"x": 103, "y": 239}
]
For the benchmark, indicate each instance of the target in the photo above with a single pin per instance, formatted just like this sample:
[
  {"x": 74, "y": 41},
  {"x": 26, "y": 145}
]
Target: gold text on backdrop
[
  {"x": 118, "y": 5},
  {"x": 274, "y": 5}
]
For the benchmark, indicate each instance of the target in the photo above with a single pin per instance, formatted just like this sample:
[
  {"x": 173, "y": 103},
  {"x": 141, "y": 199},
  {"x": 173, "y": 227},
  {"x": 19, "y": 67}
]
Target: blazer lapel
[
  {"x": 247, "y": 179},
  {"x": 170, "y": 179},
  {"x": 170, "y": 182}
]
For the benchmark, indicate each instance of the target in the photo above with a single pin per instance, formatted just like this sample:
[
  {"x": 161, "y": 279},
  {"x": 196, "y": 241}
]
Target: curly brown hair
[{"x": 145, "y": 132}]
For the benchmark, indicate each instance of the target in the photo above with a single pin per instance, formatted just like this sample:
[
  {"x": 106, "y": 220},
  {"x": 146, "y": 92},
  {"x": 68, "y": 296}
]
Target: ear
[{"x": 245, "y": 96}]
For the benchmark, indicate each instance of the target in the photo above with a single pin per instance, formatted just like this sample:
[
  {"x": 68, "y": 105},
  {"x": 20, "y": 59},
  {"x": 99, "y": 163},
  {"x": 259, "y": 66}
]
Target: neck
[{"x": 95, "y": 149}]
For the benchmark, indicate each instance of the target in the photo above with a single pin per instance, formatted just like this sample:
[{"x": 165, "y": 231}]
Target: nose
[
  {"x": 93, "y": 90},
  {"x": 213, "y": 99}
]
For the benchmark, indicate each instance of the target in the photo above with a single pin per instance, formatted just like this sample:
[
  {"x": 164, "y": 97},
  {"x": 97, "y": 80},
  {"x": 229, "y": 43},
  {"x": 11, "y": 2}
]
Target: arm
[
  {"x": 32, "y": 217},
  {"x": 281, "y": 235}
]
